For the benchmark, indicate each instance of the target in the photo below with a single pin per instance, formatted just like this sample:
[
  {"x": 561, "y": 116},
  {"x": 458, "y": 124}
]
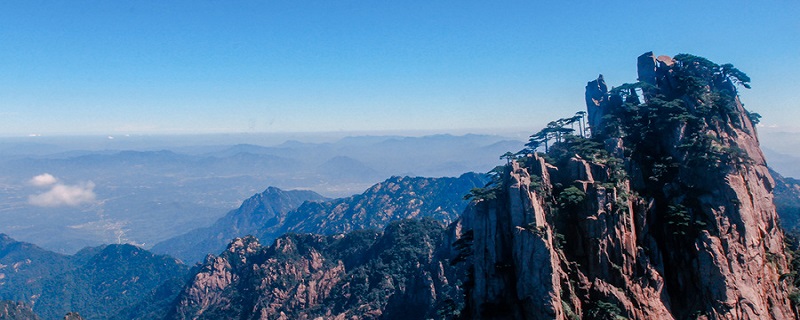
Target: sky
[{"x": 160, "y": 67}]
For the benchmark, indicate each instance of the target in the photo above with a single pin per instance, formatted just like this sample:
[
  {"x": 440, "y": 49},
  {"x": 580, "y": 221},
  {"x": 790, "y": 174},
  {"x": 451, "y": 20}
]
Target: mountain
[
  {"x": 666, "y": 212},
  {"x": 787, "y": 200},
  {"x": 275, "y": 212},
  {"x": 98, "y": 282},
  {"x": 24, "y": 267},
  {"x": 116, "y": 277},
  {"x": 152, "y": 188},
  {"x": 267, "y": 209},
  {"x": 393, "y": 199},
  {"x": 395, "y": 274},
  {"x": 783, "y": 163}
]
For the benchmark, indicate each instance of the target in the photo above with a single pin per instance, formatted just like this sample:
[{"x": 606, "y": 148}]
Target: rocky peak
[
  {"x": 399, "y": 273},
  {"x": 665, "y": 212},
  {"x": 596, "y": 94},
  {"x": 265, "y": 210}
]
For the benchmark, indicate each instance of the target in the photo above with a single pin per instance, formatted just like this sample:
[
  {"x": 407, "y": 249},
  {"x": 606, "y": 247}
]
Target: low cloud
[
  {"x": 60, "y": 194},
  {"x": 43, "y": 180}
]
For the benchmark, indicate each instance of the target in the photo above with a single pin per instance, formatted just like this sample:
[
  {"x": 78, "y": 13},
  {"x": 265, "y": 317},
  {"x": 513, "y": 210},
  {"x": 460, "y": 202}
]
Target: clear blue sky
[{"x": 111, "y": 67}]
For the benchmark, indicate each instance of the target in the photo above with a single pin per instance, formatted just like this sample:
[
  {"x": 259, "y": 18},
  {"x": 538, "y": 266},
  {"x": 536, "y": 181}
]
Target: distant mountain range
[
  {"x": 154, "y": 191},
  {"x": 787, "y": 201},
  {"x": 127, "y": 282},
  {"x": 274, "y": 212}
]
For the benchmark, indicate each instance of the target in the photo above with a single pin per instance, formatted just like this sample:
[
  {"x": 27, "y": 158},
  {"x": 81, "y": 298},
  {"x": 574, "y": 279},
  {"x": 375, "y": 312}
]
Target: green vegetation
[
  {"x": 557, "y": 130},
  {"x": 703, "y": 100},
  {"x": 683, "y": 127},
  {"x": 678, "y": 219},
  {"x": 793, "y": 251},
  {"x": 115, "y": 278},
  {"x": 699, "y": 71},
  {"x": 492, "y": 189},
  {"x": 571, "y": 197},
  {"x": 463, "y": 247},
  {"x": 102, "y": 282},
  {"x": 603, "y": 310},
  {"x": 572, "y": 145},
  {"x": 384, "y": 272}
]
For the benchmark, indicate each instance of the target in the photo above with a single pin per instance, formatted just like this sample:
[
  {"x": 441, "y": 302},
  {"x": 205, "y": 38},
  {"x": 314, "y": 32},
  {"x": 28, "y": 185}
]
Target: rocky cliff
[
  {"x": 396, "y": 274},
  {"x": 665, "y": 212}
]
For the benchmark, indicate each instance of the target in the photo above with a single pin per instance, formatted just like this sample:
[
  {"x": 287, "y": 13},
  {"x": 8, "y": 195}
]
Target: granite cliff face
[
  {"x": 665, "y": 212},
  {"x": 396, "y": 274}
]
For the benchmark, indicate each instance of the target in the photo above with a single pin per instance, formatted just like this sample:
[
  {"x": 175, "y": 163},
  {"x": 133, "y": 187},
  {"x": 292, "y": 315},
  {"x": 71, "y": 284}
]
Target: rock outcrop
[
  {"x": 666, "y": 212},
  {"x": 399, "y": 273},
  {"x": 596, "y": 101}
]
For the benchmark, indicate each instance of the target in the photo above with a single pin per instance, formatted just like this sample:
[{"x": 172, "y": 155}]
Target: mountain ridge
[{"x": 393, "y": 199}]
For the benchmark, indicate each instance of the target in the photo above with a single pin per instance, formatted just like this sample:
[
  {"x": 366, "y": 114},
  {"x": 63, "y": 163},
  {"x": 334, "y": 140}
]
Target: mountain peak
[{"x": 665, "y": 211}]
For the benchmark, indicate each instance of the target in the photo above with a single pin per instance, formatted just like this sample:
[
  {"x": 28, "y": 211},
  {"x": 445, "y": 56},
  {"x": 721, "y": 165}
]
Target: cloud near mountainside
[
  {"x": 60, "y": 194},
  {"x": 43, "y": 180}
]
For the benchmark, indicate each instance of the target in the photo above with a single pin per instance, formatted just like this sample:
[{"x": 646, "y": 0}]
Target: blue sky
[{"x": 112, "y": 67}]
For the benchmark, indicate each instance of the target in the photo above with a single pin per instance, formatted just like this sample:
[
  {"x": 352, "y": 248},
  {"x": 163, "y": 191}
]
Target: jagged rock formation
[
  {"x": 596, "y": 94},
  {"x": 266, "y": 210},
  {"x": 665, "y": 213},
  {"x": 395, "y": 274},
  {"x": 275, "y": 212}
]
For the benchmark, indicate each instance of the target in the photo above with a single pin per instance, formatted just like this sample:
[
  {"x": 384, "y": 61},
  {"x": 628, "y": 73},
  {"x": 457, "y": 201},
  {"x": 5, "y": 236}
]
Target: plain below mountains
[{"x": 149, "y": 189}]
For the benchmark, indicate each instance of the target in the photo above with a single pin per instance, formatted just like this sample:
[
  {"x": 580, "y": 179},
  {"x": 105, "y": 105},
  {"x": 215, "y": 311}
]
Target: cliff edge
[{"x": 664, "y": 211}]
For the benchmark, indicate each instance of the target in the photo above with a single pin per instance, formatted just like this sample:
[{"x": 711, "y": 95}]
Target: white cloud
[
  {"x": 43, "y": 180},
  {"x": 64, "y": 195}
]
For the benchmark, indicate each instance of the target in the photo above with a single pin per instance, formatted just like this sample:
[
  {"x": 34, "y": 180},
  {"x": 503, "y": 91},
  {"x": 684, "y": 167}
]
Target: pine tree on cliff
[{"x": 664, "y": 213}]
